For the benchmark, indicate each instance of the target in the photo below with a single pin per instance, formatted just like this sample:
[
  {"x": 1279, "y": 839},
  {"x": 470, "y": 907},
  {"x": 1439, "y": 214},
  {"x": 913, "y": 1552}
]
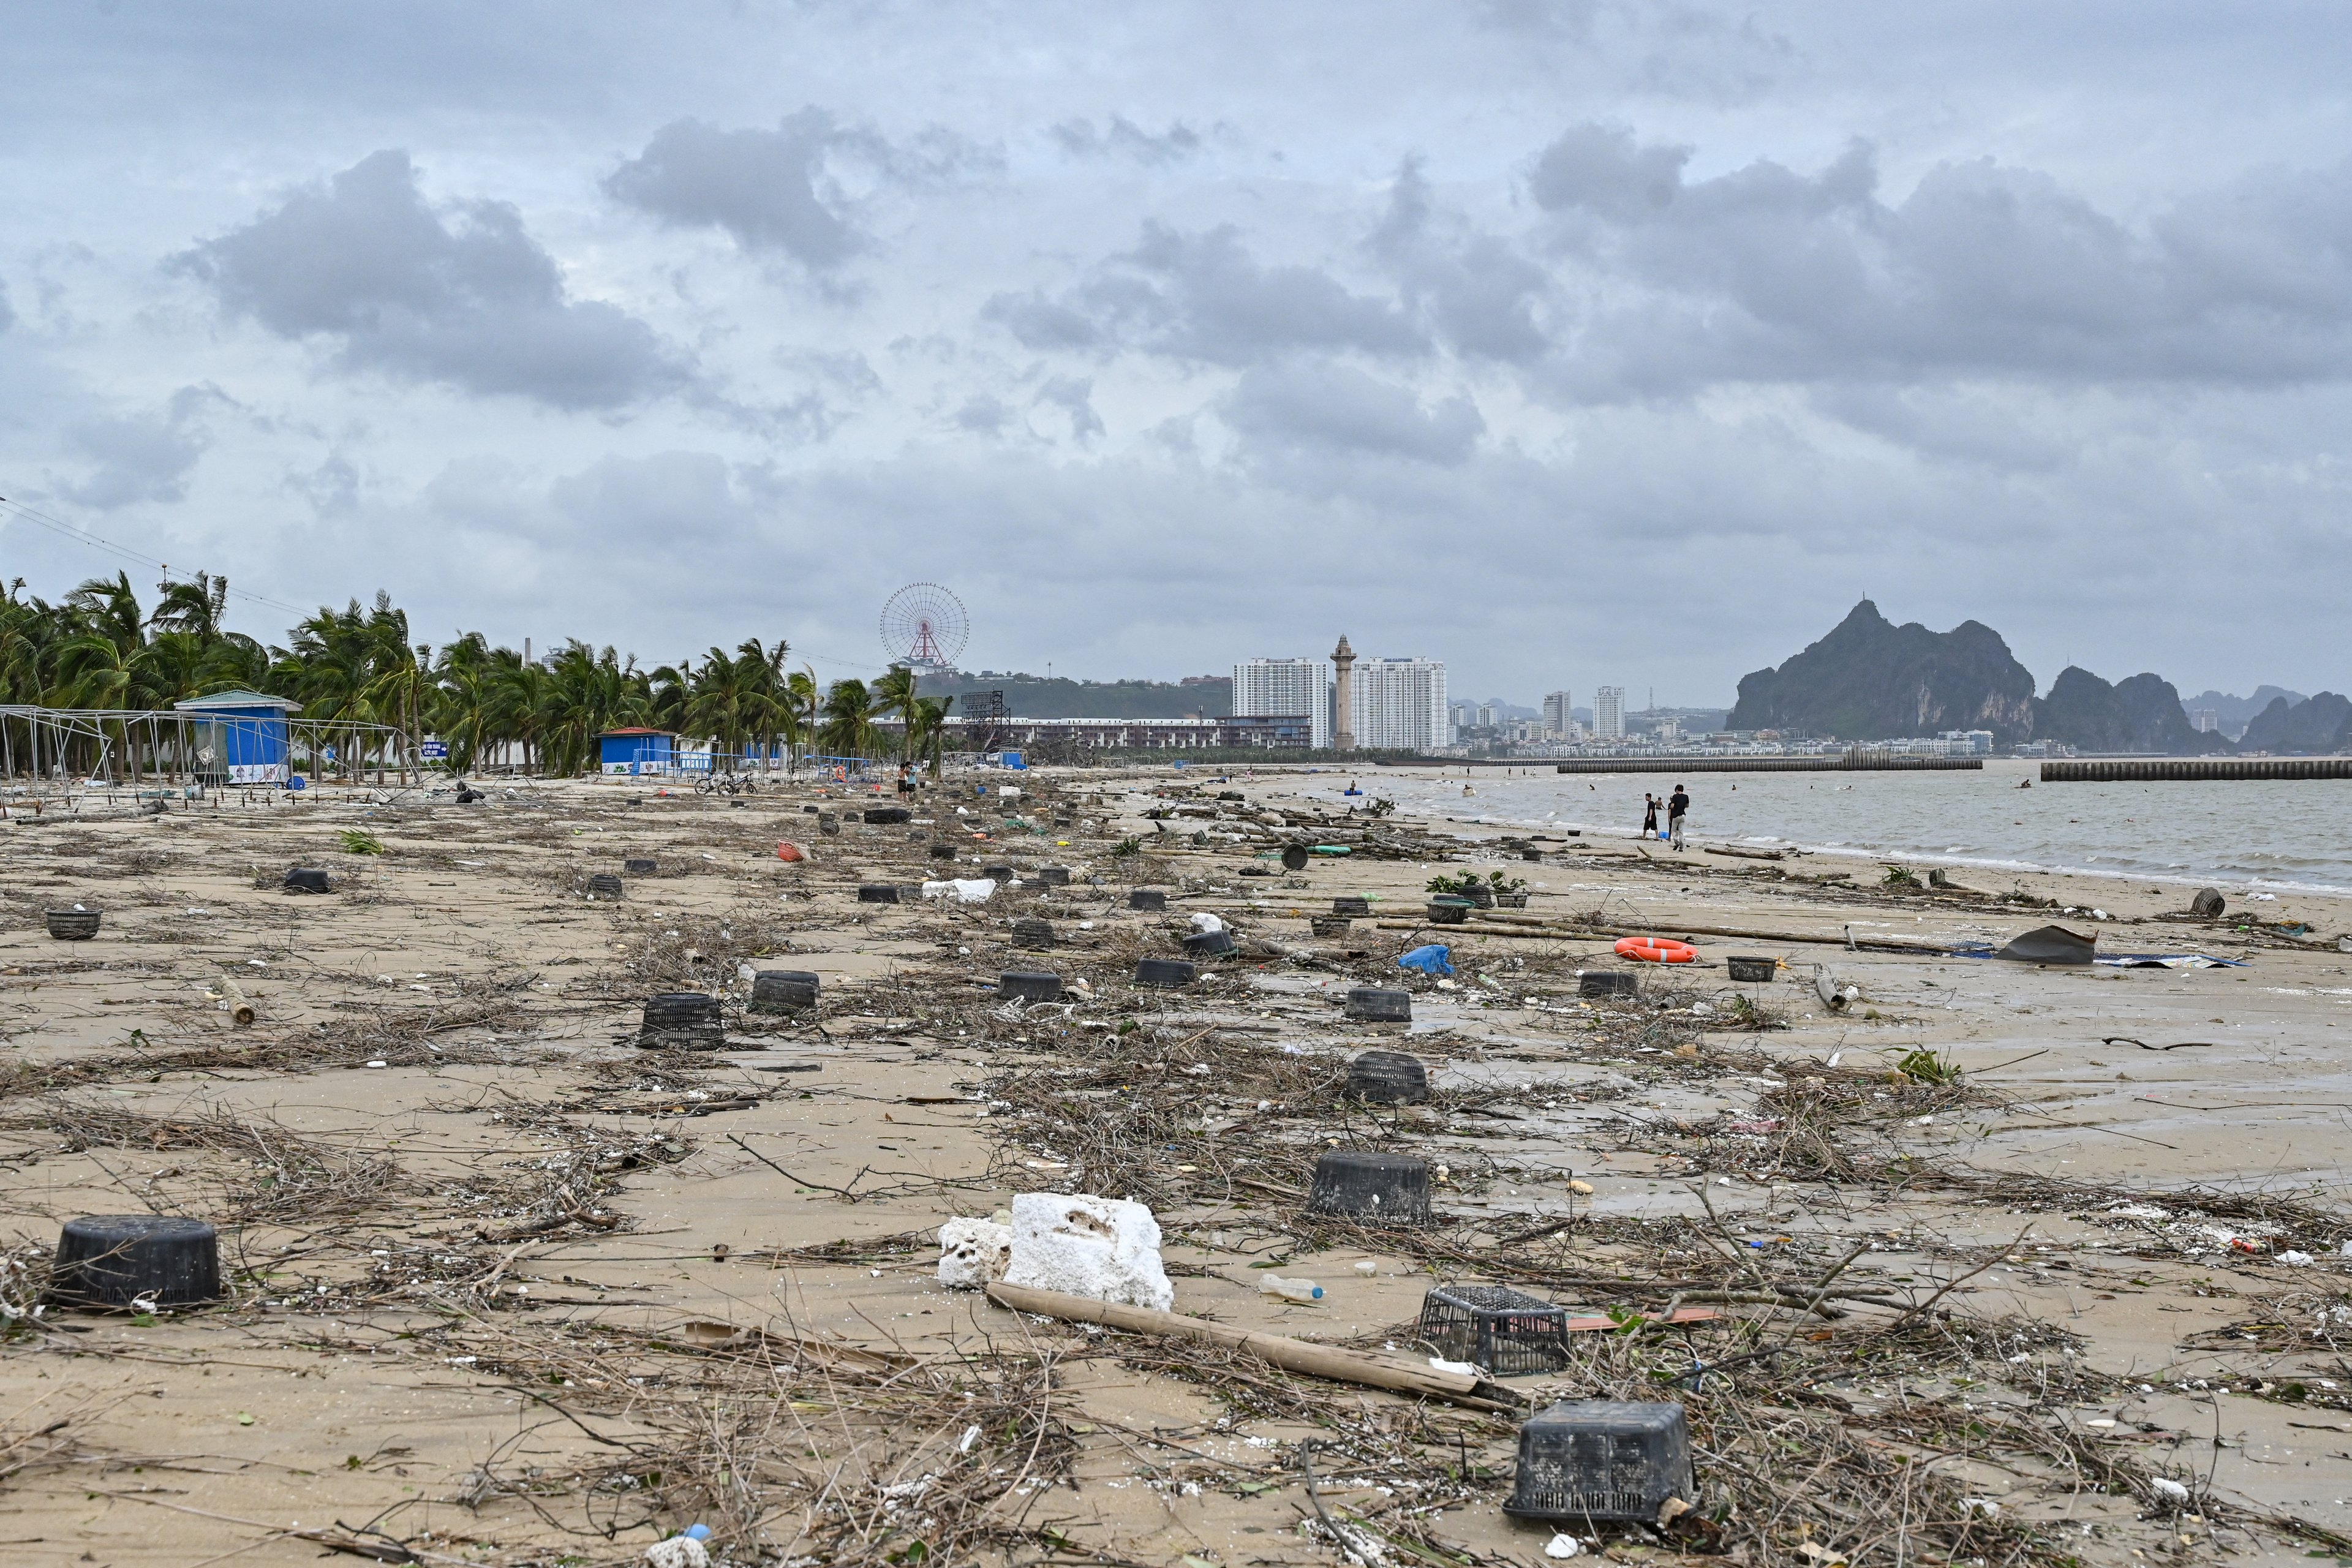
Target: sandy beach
[{"x": 2006, "y": 1263}]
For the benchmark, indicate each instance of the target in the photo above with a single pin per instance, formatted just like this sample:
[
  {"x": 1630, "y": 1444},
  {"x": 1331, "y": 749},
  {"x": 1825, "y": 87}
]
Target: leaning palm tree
[
  {"x": 895, "y": 694},
  {"x": 848, "y": 729},
  {"x": 927, "y": 729}
]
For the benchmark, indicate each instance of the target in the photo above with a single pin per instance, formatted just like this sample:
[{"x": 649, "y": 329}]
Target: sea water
[{"x": 2288, "y": 834}]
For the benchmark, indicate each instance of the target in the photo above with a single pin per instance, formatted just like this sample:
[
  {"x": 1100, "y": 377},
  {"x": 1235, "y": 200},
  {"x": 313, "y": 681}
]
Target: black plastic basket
[
  {"x": 1387, "y": 1078},
  {"x": 1030, "y": 933},
  {"x": 1371, "y": 1189},
  {"x": 889, "y": 815},
  {"x": 1151, "y": 900},
  {"x": 997, "y": 873},
  {"x": 784, "y": 991},
  {"x": 640, "y": 868},
  {"x": 1164, "y": 971},
  {"x": 1601, "y": 1460},
  {"x": 1448, "y": 912},
  {"x": 1752, "y": 970},
  {"x": 1495, "y": 1328},
  {"x": 1053, "y": 876},
  {"x": 302, "y": 880},
  {"x": 119, "y": 1261},
  {"x": 72, "y": 925},
  {"x": 1029, "y": 986},
  {"x": 1608, "y": 983},
  {"x": 1354, "y": 905},
  {"x": 1329, "y": 925},
  {"x": 943, "y": 851},
  {"x": 604, "y": 885},
  {"x": 1210, "y": 944},
  {"x": 682, "y": 1021},
  {"x": 1378, "y": 1004},
  {"x": 878, "y": 893}
]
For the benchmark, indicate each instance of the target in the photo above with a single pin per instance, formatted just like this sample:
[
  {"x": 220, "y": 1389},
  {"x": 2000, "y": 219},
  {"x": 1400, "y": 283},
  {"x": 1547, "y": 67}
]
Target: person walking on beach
[
  {"x": 1649, "y": 814},
  {"x": 1677, "y": 808}
]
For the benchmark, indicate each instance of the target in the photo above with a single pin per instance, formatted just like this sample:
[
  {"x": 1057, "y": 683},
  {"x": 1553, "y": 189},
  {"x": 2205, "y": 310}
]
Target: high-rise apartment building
[
  {"x": 1286, "y": 688},
  {"x": 1609, "y": 712},
  {"x": 2205, "y": 720},
  {"x": 1559, "y": 712},
  {"x": 1487, "y": 716},
  {"x": 1401, "y": 704}
]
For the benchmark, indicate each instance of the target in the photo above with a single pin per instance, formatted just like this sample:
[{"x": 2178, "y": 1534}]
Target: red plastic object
[
  {"x": 788, "y": 851},
  {"x": 1656, "y": 950}
]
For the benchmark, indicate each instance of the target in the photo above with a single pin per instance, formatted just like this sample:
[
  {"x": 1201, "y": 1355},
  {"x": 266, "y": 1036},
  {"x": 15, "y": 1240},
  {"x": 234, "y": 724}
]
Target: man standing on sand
[
  {"x": 1649, "y": 815},
  {"x": 1677, "y": 808}
]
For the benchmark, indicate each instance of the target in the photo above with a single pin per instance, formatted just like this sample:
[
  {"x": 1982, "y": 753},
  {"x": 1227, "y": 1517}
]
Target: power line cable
[{"x": 17, "y": 509}]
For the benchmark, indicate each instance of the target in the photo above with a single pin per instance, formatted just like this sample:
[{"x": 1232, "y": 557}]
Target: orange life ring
[{"x": 1656, "y": 950}]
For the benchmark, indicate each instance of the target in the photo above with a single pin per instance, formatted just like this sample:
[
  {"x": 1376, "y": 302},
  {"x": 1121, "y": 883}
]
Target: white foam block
[
  {"x": 1106, "y": 1249},
  {"x": 973, "y": 1252}
]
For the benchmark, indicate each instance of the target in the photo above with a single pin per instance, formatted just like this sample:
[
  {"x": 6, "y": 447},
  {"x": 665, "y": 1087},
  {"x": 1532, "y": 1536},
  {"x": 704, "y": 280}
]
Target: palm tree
[
  {"x": 927, "y": 729},
  {"x": 848, "y": 719},
  {"x": 895, "y": 694}
]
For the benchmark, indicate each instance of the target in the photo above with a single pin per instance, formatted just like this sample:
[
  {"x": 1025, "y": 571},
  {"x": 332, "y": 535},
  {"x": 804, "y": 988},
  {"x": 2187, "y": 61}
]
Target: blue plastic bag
[{"x": 1434, "y": 959}]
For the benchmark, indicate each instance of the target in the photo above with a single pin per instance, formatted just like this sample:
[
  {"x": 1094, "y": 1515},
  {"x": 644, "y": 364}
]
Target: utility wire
[{"x": 17, "y": 509}]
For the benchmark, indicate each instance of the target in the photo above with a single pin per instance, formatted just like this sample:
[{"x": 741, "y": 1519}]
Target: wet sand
[{"x": 419, "y": 1282}]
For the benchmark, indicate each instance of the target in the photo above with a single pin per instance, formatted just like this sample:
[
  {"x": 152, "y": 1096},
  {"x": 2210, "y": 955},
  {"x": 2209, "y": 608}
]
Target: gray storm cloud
[{"x": 467, "y": 297}]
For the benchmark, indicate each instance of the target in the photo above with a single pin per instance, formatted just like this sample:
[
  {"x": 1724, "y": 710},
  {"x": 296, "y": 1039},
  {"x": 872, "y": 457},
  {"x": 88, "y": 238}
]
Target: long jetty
[
  {"x": 2134, "y": 770},
  {"x": 1834, "y": 763}
]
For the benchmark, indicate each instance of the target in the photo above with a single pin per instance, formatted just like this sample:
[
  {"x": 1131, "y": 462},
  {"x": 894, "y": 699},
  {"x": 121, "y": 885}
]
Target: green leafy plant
[
  {"x": 1380, "y": 806},
  {"x": 358, "y": 842},
  {"x": 1470, "y": 882},
  {"x": 1127, "y": 846},
  {"x": 1921, "y": 1065},
  {"x": 1902, "y": 877}
]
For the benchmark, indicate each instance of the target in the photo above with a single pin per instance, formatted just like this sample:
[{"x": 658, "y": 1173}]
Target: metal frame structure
[{"x": 172, "y": 744}]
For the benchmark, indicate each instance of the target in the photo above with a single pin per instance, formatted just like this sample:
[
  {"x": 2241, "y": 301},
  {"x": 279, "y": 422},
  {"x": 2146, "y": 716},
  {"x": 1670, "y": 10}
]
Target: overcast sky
[{"x": 1572, "y": 344}]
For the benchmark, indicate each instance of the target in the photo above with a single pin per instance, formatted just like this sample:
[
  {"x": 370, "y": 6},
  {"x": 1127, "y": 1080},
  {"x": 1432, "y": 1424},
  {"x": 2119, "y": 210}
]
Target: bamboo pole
[{"x": 1398, "y": 1373}]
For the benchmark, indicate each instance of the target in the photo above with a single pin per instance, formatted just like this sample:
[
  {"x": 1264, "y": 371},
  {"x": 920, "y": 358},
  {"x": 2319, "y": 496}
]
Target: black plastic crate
[
  {"x": 878, "y": 893},
  {"x": 1378, "y": 1004},
  {"x": 1029, "y": 986},
  {"x": 784, "y": 990},
  {"x": 1494, "y": 1327},
  {"x": 1152, "y": 901},
  {"x": 1354, "y": 905},
  {"x": 1608, "y": 983},
  {"x": 1371, "y": 1189},
  {"x": 1031, "y": 932},
  {"x": 1752, "y": 970},
  {"x": 604, "y": 885},
  {"x": 639, "y": 867},
  {"x": 1053, "y": 876},
  {"x": 1210, "y": 944},
  {"x": 1601, "y": 1460}
]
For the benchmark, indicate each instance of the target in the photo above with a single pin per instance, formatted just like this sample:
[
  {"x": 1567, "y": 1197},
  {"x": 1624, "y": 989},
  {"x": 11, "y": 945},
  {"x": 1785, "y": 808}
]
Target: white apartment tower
[
  {"x": 1609, "y": 712},
  {"x": 1401, "y": 705},
  {"x": 1286, "y": 688},
  {"x": 1559, "y": 712}
]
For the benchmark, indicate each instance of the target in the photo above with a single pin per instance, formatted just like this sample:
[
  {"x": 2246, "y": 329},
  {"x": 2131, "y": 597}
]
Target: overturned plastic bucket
[
  {"x": 135, "y": 1262},
  {"x": 1029, "y": 986},
  {"x": 1294, "y": 857},
  {"x": 1164, "y": 971},
  {"x": 784, "y": 991},
  {"x": 72, "y": 925},
  {"x": 305, "y": 879},
  {"x": 1370, "y": 1188},
  {"x": 1210, "y": 944},
  {"x": 1378, "y": 1004}
]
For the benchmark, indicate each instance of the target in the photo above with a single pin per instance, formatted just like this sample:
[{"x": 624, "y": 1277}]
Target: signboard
[{"x": 434, "y": 750}]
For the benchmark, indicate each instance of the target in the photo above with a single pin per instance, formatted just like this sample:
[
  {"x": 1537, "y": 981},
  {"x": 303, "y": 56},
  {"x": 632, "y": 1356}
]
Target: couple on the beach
[{"x": 1677, "y": 808}]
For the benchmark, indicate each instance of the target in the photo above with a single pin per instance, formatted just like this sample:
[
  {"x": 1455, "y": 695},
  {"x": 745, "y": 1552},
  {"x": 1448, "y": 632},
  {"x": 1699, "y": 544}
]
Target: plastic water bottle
[{"x": 1290, "y": 1289}]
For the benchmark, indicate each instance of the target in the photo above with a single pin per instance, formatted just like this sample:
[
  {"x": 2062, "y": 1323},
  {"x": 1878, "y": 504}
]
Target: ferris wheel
[{"x": 924, "y": 627}]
